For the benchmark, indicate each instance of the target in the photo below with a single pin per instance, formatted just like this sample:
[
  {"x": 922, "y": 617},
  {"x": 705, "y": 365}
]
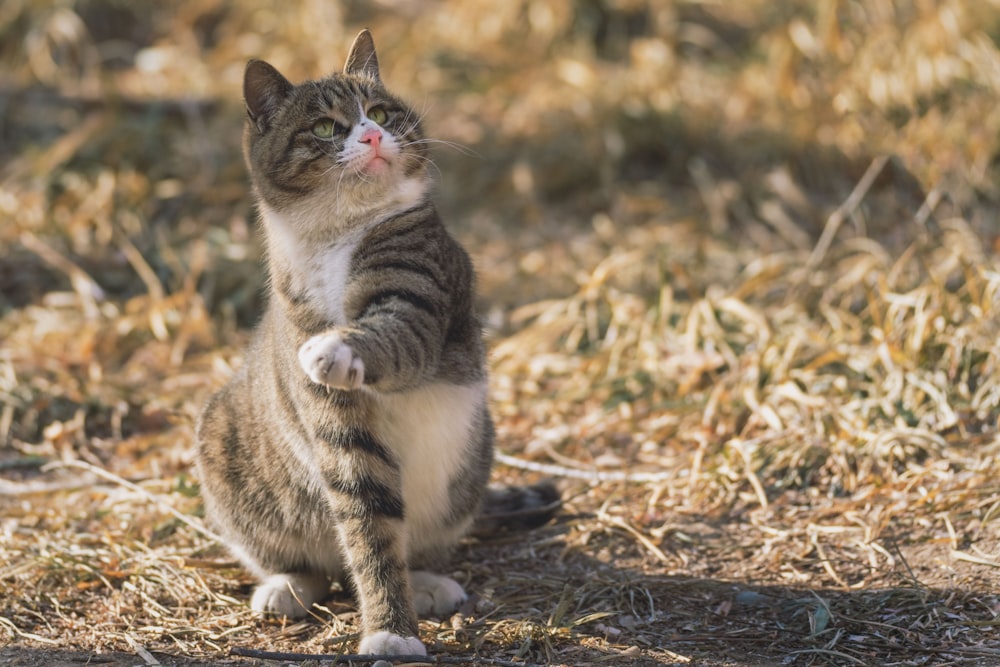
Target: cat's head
[{"x": 343, "y": 144}]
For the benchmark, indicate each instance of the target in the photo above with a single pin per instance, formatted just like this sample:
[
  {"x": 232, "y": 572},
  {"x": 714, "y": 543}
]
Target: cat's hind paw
[
  {"x": 386, "y": 643},
  {"x": 329, "y": 361},
  {"x": 290, "y": 595},
  {"x": 435, "y": 594}
]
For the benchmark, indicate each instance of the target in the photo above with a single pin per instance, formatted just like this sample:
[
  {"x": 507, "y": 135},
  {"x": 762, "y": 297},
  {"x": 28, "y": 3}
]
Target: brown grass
[{"x": 741, "y": 269}]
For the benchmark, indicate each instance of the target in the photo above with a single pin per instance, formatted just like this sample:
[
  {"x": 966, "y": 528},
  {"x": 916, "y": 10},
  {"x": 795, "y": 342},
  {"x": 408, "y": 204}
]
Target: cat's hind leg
[
  {"x": 435, "y": 594},
  {"x": 291, "y": 595}
]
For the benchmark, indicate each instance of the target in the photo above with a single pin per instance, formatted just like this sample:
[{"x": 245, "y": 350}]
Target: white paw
[
  {"x": 386, "y": 643},
  {"x": 288, "y": 595},
  {"x": 434, "y": 594},
  {"x": 329, "y": 361}
]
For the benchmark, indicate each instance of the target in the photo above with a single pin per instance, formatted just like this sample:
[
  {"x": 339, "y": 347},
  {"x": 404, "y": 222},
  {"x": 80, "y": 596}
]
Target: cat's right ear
[
  {"x": 362, "y": 59},
  {"x": 264, "y": 89}
]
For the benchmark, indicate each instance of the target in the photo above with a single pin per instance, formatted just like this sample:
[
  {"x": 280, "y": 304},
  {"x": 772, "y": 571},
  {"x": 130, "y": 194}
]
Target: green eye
[
  {"x": 378, "y": 115},
  {"x": 324, "y": 128}
]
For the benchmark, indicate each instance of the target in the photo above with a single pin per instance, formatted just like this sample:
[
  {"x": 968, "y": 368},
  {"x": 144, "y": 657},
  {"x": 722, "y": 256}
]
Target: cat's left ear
[
  {"x": 362, "y": 58},
  {"x": 264, "y": 89}
]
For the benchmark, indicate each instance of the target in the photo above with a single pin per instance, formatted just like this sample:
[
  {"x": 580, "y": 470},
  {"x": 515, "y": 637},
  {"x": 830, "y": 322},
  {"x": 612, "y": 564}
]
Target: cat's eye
[
  {"x": 378, "y": 114},
  {"x": 324, "y": 128}
]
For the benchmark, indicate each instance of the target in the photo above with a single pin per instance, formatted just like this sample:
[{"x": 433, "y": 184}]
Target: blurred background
[
  {"x": 567, "y": 126},
  {"x": 747, "y": 249}
]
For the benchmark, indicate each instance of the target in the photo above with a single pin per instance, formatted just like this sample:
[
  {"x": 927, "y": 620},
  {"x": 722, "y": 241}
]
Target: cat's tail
[{"x": 515, "y": 508}]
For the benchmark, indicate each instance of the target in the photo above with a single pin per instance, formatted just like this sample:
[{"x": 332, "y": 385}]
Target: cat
[{"x": 355, "y": 441}]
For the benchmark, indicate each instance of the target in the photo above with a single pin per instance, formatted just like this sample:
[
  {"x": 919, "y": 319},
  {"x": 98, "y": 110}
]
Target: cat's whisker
[
  {"x": 361, "y": 175},
  {"x": 464, "y": 150},
  {"x": 340, "y": 184},
  {"x": 336, "y": 164},
  {"x": 408, "y": 125},
  {"x": 429, "y": 161}
]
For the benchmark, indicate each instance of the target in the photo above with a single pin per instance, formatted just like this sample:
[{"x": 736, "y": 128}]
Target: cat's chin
[{"x": 377, "y": 166}]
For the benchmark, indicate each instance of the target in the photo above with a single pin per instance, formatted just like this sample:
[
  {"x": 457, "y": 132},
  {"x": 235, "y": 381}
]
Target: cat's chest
[
  {"x": 311, "y": 269},
  {"x": 325, "y": 278}
]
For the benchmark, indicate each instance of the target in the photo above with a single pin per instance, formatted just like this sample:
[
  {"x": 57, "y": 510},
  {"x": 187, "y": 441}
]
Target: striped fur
[{"x": 355, "y": 442}]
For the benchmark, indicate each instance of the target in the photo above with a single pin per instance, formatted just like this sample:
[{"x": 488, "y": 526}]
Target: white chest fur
[
  {"x": 429, "y": 430},
  {"x": 314, "y": 242},
  {"x": 317, "y": 268},
  {"x": 328, "y": 269}
]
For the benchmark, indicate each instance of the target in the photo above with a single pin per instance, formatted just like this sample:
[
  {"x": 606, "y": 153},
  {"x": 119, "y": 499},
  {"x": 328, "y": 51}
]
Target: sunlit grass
[{"x": 739, "y": 267}]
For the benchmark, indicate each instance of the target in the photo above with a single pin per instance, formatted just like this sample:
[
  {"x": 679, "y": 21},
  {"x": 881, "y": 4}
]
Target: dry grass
[{"x": 741, "y": 267}]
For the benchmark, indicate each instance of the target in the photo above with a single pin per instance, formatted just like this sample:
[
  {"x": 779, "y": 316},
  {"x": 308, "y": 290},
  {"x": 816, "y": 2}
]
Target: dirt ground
[{"x": 739, "y": 267}]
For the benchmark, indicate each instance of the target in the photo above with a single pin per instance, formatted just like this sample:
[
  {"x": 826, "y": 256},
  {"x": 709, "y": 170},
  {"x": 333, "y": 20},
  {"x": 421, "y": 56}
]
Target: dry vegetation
[{"x": 741, "y": 268}]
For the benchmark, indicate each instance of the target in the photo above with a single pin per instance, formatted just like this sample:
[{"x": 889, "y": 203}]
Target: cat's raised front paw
[
  {"x": 386, "y": 643},
  {"x": 435, "y": 594},
  {"x": 329, "y": 361}
]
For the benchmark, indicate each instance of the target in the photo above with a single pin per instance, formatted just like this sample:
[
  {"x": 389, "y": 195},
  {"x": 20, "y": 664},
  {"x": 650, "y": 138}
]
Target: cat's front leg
[
  {"x": 386, "y": 643},
  {"x": 329, "y": 361},
  {"x": 374, "y": 550},
  {"x": 364, "y": 487}
]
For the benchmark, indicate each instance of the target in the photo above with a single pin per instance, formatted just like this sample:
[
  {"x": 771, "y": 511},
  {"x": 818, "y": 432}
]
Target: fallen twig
[
  {"x": 618, "y": 522},
  {"x": 370, "y": 659},
  {"x": 588, "y": 475},
  {"x": 34, "y": 487},
  {"x": 835, "y": 654},
  {"x": 958, "y": 554},
  {"x": 141, "y": 651},
  {"x": 842, "y": 212},
  {"x": 87, "y": 289}
]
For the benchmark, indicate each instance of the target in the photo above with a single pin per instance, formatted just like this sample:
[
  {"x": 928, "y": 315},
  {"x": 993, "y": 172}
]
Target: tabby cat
[{"x": 355, "y": 442}]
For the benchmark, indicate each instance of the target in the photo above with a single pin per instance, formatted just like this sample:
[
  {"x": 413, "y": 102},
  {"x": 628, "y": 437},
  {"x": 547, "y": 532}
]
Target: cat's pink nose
[{"x": 372, "y": 136}]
